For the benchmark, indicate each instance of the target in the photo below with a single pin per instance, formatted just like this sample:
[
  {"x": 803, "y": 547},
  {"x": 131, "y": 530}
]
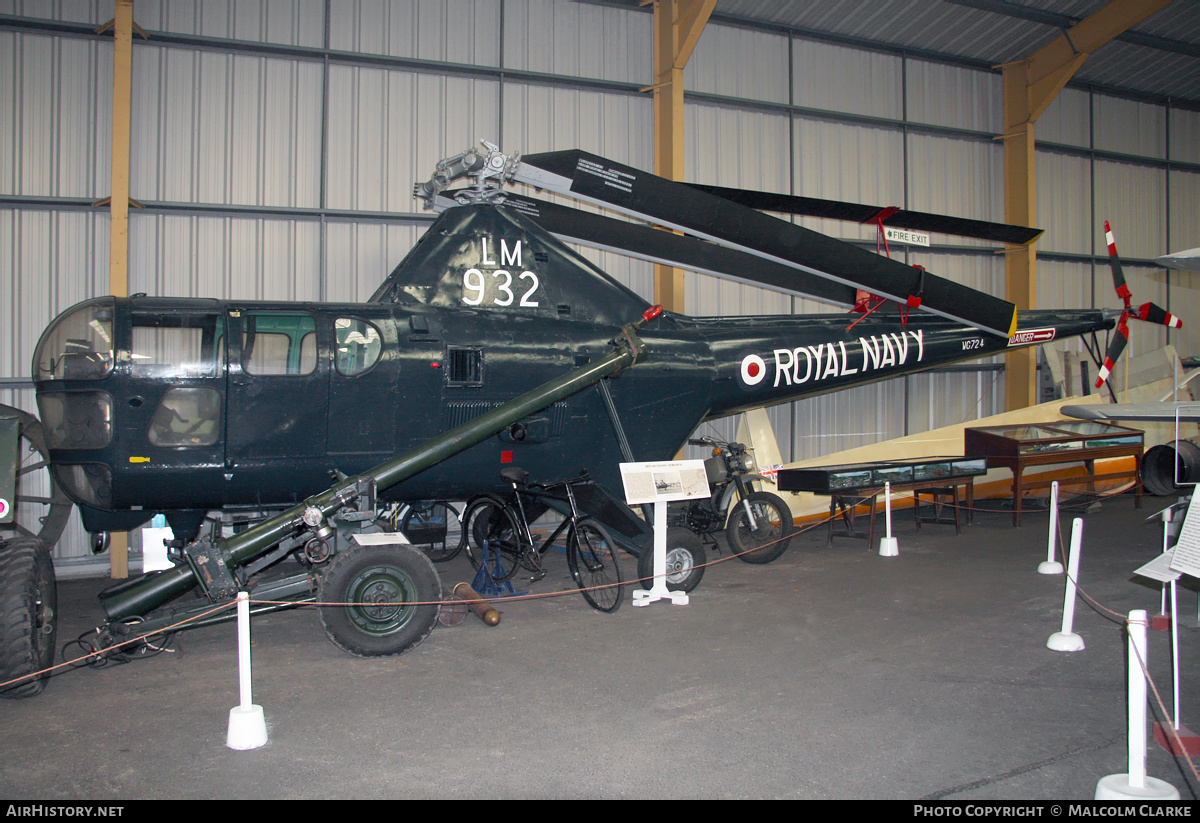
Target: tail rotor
[{"x": 1147, "y": 312}]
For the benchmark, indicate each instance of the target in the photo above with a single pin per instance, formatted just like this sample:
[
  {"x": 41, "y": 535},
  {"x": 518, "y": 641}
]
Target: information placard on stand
[{"x": 660, "y": 483}]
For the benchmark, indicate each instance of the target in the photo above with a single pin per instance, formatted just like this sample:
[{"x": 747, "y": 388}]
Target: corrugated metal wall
[{"x": 277, "y": 141}]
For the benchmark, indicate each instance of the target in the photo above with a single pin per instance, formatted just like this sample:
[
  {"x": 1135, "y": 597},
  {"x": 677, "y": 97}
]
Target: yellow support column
[
  {"x": 118, "y": 236},
  {"x": 1030, "y": 85},
  {"x": 677, "y": 27}
]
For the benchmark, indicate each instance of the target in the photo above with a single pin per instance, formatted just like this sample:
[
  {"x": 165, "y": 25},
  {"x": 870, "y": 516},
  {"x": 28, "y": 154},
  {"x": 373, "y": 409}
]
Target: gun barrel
[{"x": 161, "y": 587}]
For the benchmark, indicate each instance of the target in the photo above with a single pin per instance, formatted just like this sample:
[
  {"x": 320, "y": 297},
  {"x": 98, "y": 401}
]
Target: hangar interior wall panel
[
  {"x": 959, "y": 177},
  {"x": 1130, "y": 126},
  {"x": 1067, "y": 120},
  {"x": 212, "y": 127},
  {"x": 859, "y": 164},
  {"x": 52, "y": 260},
  {"x": 55, "y": 144},
  {"x": 735, "y": 62},
  {"x": 360, "y": 253},
  {"x": 1183, "y": 227},
  {"x": 953, "y": 96},
  {"x": 539, "y": 118},
  {"x": 844, "y": 79},
  {"x": 1064, "y": 205},
  {"x": 225, "y": 257},
  {"x": 451, "y": 31},
  {"x": 1132, "y": 197},
  {"x": 388, "y": 129},
  {"x": 1183, "y": 132},
  {"x": 289, "y": 22},
  {"x": 578, "y": 39}
]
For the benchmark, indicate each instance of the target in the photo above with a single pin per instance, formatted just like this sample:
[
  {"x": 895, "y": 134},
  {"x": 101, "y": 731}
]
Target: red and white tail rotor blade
[{"x": 1115, "y": 346}]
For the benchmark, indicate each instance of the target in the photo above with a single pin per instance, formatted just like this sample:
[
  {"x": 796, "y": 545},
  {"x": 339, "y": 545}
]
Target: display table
[
  {"x": 849, "y": 486},
  {"x": 1066, "y": 441}
]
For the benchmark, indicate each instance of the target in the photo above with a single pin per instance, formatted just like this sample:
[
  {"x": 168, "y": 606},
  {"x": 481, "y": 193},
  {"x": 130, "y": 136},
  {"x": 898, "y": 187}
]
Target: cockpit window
[
  {"x": 78, "y": 345},
  {"x": 278, "y": 343},
  {"x": 358, "y": 345},
  {"x": 169, "y": 345}
]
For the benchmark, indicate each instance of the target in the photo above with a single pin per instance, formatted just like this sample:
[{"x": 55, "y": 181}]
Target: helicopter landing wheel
[{"x": 685, "y": 561}]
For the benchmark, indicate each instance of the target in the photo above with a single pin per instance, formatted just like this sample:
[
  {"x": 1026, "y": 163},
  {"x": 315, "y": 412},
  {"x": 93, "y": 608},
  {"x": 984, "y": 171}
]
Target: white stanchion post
[
  {"x": 888, "y": 546},
  {"x": 658, "y": 589},
  {"x": 247, "y": 723},
  {"x": 1136, "y": 784},
  {"x": 1050, "y": 565},
  {"x": 1066, "y": 640}
]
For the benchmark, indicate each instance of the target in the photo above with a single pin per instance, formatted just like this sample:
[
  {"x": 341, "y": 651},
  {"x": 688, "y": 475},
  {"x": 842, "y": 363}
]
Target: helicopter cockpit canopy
[{"x": 79, "y": 345}]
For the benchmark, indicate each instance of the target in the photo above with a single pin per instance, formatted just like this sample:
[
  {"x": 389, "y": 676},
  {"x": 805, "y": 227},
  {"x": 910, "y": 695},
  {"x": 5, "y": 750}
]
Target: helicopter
[{"x": 187, "y": 407}]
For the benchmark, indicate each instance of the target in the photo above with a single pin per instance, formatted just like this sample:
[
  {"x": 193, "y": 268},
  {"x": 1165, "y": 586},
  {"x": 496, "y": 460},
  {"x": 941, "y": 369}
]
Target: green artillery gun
[{"x": 346, "y": 554}]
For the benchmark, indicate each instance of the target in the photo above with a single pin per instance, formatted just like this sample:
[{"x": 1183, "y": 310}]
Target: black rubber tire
[
  {"x": 592, "y": 559},
  {"x": 685, "y": 561},
  {"x": 773, "y": 533},
  {"x": 52, "y": 506},
  {"x": 436, "y": 529},
  {"x": 488, "y": 518},
  {"x": 28, "y": 621},
  {"x": 391, "y": 575}
]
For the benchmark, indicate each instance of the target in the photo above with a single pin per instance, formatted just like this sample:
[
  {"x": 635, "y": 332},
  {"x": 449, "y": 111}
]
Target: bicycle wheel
[
  {"x": 436, "y": 529},
  {"x": 488, "y": 520},
  {"x": 769, "y": 536},
  {"x": 592, "y": 559}
]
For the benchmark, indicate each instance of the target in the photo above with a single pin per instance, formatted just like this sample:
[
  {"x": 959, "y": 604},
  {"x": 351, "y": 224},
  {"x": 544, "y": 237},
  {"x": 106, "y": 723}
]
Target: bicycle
[
  {"x": 433, "y": 526},
  {"x": 503, "y": 527}
]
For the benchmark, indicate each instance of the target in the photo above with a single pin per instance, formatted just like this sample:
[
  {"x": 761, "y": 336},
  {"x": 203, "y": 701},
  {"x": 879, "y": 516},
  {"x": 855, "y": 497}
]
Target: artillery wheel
[
  {"x": 384, "y": 584},
  {"x": 28, "y": 600},
  {"x": 771, "y": 533},
  {"x": 42, "y": 508},
  {"x": 685, "y": 561}
]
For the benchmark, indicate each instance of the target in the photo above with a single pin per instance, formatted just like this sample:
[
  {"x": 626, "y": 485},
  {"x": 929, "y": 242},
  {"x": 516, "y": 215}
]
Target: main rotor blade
[
  {"x": 859, "y": 213},
  {"x": 658, "y": 246},
  {"x": 679, "y": 206}
]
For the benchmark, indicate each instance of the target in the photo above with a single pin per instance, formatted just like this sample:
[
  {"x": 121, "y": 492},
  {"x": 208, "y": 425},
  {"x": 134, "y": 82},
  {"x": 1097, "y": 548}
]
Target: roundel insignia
[
  {"x": 5, "y": 508},
  {"x": 752, "y": 370}
]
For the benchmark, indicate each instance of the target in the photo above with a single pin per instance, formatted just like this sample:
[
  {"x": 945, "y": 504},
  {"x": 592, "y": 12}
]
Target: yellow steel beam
[
  {"x": 118, "y": 236},
  {"x": 1030, "y": 85},
  {"x": 677, "y": 28}
]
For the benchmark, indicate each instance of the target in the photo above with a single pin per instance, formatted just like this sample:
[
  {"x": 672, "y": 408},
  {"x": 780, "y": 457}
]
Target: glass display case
[{"x": 1064, "y": 441}]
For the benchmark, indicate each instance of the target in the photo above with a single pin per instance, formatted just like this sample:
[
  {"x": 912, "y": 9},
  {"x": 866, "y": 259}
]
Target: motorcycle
[{"x": 757, "y": 524}]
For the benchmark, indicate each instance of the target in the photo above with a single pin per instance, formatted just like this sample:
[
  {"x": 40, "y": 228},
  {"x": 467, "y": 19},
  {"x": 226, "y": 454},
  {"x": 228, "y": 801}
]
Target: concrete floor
[{"x": 831, "y": 673}]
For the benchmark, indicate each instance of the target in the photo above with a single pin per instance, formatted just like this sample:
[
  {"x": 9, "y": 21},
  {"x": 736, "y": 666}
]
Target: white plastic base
[
  {"x": 889, "y": 547},
  {"x": 247, "y": 728},
  {"x": 1065, "y": 642},
  {"x": 1116, "y": 787},
  {"x": 644, "y": 597},
  {"x": 1050, "y": 567}
]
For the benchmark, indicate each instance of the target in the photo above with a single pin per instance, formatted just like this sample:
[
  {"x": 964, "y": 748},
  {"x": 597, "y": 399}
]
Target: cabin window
[
  {"x": 187, "y": 417},
  {"x": 278, "y": 343},
  {"x": 358, "y": 345},
  {"x": 170, "y": 345},
  {"x": 464, "y": 366}
]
